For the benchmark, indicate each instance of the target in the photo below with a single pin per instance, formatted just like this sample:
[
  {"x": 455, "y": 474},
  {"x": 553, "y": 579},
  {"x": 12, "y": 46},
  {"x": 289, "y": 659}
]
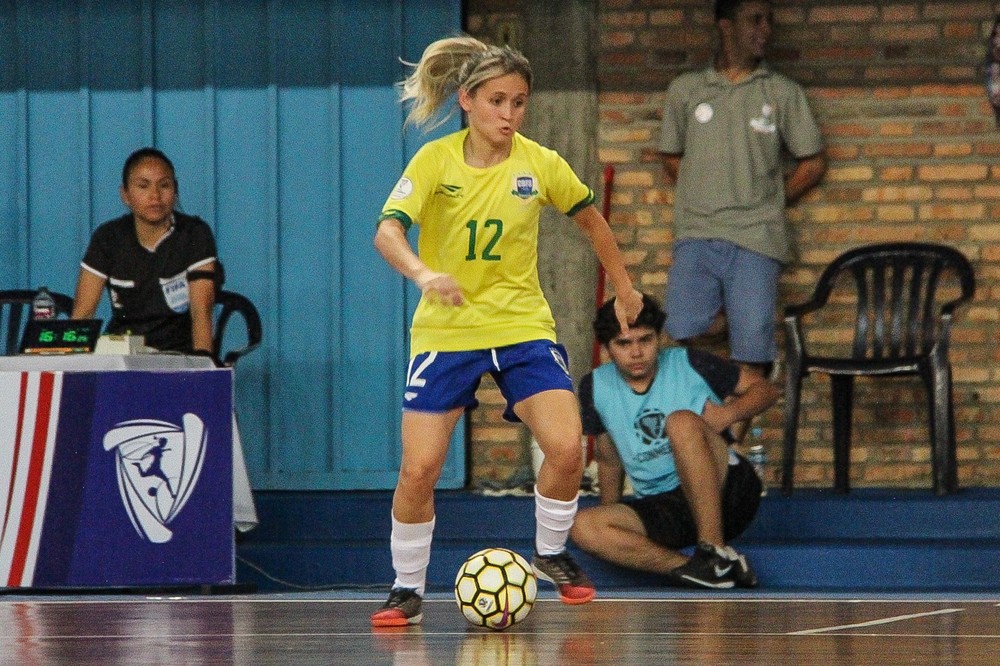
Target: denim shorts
[
  {"x": 441, "y": 381},
  {"x": 709, "y": 275}
]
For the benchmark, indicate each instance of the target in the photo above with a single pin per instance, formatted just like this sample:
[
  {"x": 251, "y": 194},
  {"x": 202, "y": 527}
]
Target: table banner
[{"x": 116, "y": 479}]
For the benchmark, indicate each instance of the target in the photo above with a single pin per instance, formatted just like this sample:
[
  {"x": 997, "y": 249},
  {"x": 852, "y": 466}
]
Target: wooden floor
[{"x": 641, "y": 628}]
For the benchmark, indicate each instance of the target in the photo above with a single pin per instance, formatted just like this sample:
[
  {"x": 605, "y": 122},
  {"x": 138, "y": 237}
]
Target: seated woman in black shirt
[{"x": 157, "y": 263}]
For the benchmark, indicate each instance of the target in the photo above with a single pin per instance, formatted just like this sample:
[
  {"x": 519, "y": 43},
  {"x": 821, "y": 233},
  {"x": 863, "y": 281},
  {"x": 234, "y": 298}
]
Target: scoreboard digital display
[{"x": 60, "y": 336}]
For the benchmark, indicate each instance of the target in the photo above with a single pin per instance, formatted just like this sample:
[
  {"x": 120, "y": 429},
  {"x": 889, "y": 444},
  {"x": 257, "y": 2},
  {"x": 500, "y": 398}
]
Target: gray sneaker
[
  {"x": 402, "y": 608},
  {"x": 562, "y": 571}
]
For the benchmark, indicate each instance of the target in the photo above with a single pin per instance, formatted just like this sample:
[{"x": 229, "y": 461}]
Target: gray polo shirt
[{"x": 731, "y": 181}]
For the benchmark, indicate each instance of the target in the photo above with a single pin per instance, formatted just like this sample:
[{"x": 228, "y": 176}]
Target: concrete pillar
[{"x": 559, "y": 37}]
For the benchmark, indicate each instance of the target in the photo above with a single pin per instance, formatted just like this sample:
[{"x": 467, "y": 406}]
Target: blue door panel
[
  {"x": 307, "y": 303},
  {"x": 246, "y": 234},
  {"x": 373, "y": 333},
  {"x": 56, "y": 192}
]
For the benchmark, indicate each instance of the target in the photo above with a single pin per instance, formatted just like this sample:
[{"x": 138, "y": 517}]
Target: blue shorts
[
  {"x": 441, "y": 381},
  {"x": 709, "y": 275}
]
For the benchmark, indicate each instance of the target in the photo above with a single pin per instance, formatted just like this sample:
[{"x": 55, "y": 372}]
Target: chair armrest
[
  {"x": 234, "y": 355},
  {"x": 797, "y": 311},
  {"x": 794, "y": 338},
  {"x": 233, "y": 303},
  {"x": 948, "y": 309},
  {"x": 948, "y": 314}
]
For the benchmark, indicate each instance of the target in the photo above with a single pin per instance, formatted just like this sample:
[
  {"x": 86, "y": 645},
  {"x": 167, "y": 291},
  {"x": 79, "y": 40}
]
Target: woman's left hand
[{"x": 440, "y": 286}]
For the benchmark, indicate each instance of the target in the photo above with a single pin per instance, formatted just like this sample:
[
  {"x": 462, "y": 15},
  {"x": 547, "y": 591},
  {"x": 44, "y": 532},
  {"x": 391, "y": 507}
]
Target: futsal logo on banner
[{"x": 157, "y": 465}]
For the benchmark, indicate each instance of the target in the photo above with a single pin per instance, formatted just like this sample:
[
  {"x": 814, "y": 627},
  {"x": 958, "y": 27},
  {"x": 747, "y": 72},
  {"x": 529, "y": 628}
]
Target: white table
[{"x": 244, "y": 510}]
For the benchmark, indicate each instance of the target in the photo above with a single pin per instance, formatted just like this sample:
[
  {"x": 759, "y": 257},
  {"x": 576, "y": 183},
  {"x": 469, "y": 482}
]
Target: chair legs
[
  {"x": 793, "y": 399},
  {"x": 843, "y": 395},
  {"x": 937, "y": 380},
  {"x": 942, "y": 427}
]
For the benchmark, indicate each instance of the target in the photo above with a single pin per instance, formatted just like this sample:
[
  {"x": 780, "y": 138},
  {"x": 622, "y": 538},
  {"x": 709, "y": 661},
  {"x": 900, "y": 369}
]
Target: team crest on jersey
[
  {"x": 524, "y": 186},
  {"x": 650, "y": 426},
  {"x": 157, "y": 465}
]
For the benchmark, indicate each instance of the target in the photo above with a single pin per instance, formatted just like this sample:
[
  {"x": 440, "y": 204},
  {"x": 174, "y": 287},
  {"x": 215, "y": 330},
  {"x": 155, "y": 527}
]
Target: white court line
[
  {"x": 873, "y": 623},
  {"x": 771, "y": 597}
]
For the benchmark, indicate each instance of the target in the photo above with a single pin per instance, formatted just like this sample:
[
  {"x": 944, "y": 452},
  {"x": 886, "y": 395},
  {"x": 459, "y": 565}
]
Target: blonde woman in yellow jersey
[{"x": 476, "y": 196}]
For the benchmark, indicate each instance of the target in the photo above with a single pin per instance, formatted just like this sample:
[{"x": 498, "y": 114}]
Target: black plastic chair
[
  {"x": 228, "y": 303},
  {"x": 15, "y": 310},
  {"x": 905, "y": 301}
]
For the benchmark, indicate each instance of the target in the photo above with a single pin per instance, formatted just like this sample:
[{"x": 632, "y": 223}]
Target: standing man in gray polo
[{"x": 726, "y": 132}]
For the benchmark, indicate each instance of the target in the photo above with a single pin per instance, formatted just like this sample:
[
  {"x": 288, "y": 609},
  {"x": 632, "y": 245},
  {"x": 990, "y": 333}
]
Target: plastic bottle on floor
[{"x": 758, "y": 458}]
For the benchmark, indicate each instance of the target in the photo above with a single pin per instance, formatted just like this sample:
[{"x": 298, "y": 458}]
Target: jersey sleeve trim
[
  {"x": 587, "y": 200},
  {"x": 91, "y": 269},
  {"x": 198, "y": 264},
  {"x": 592, "y": 423},
  {"x": 395, "y": 214}
]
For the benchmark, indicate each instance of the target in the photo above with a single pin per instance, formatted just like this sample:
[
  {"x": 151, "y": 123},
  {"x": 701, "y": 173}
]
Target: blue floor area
[{"x": 876, "y": 541}]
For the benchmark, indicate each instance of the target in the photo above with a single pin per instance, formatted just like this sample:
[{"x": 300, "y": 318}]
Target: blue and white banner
[{"x": 116, "y": 479}]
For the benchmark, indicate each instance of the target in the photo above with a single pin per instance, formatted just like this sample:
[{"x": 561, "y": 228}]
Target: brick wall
[
  {"x": 913, "y": 150},
  {"x": 914, "y": 155}
]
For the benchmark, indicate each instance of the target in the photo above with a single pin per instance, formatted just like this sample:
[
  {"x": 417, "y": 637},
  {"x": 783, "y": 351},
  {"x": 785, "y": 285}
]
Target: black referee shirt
[{"x": 149, "y": 289}]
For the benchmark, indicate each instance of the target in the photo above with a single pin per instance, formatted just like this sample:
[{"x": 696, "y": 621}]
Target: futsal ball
[{"x": 495, "y": 588}]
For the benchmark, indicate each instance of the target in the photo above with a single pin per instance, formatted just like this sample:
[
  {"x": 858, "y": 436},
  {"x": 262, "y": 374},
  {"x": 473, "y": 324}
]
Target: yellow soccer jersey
[{"x": 481, "y": 227}]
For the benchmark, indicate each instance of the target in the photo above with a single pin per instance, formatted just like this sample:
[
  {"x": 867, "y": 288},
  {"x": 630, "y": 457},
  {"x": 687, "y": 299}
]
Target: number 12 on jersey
[{"x": 494, "y": 227}]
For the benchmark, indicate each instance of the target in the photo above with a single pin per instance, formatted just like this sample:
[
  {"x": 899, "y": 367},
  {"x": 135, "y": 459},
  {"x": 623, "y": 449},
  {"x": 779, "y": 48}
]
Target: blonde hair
[{"x": 450, "y": 64}]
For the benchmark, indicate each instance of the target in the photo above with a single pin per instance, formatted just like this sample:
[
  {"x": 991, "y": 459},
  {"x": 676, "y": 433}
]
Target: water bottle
[
  {"x": 43, "y": 306},
  {"x": 758, "y": 458}
]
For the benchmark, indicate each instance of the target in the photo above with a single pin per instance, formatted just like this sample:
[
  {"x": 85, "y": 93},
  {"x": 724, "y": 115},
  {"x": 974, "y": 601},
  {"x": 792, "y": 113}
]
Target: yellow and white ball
[{"x": 495, "y": 588}]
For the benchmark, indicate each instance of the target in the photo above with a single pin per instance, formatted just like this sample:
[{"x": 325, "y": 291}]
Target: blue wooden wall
[{"x": 282, "y": 122}]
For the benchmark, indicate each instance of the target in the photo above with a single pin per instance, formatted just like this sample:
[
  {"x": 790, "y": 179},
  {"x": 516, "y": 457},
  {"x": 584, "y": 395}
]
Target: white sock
[
  {"x": 553, "y": 520},
  {"x": 411, "y": 553}
]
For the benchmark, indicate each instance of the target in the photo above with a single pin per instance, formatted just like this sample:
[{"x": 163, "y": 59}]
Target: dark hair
[
  {"x": 606, "y": 326},
  {"x": 726, "y": 9},
  {"x": 133, "y": 160}
]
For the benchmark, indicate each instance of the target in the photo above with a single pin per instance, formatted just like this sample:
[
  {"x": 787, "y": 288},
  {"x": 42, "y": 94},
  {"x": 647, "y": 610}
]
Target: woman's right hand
[{"x": 440, "y": 286}]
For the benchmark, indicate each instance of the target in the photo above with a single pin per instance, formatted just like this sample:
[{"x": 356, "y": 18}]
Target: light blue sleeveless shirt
[{"x": 637, "y": 422}]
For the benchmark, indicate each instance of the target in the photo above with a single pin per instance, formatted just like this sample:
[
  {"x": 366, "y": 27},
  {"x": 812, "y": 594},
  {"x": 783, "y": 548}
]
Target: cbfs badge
[
  {"x": 524, "y": 186},
  {"x": 158, "y": 465}
]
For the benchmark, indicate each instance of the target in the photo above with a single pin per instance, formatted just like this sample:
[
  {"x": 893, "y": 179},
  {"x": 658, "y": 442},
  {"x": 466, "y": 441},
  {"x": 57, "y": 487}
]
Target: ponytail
[{"x": 452, "y": 63}]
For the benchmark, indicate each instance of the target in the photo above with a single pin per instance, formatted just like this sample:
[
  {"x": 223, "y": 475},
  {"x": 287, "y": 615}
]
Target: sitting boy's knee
[{"x": 681, "y": 421}]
